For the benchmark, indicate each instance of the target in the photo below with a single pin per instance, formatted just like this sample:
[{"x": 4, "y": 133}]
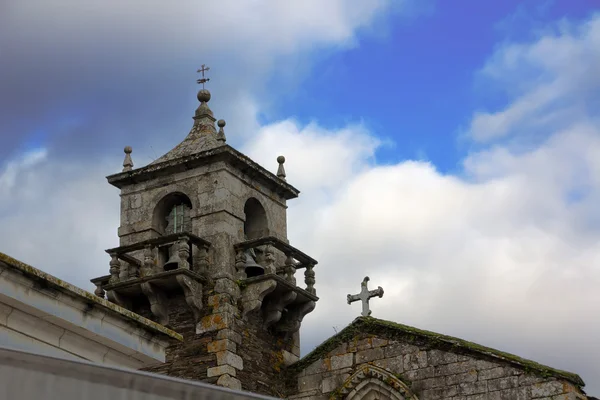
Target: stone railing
[
  {"x": 159, "y": 254},
  {"x": 264, "y": 258}
]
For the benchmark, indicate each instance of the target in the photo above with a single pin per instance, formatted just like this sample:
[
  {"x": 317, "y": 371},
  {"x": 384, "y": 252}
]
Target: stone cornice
[
  {"x": 222, "y": 153},
  {"x": 88, "y": 297}
]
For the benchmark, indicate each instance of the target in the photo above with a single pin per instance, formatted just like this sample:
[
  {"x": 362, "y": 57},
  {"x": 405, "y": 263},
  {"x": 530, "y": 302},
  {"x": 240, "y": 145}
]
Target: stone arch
[
  {"x": 172, "y": 214},
  {"x": 256, "y": 224},
  {"x": 373, "y": 383}
]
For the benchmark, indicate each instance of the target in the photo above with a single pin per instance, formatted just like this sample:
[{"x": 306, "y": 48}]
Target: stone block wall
[
  {"x": 265, "y": 355},
  {"x": 224, "y": 348},
  {"x": 189, "y": 359},
  {"x": 430, "y": 374},
  {"x": 211, "y": 189}
]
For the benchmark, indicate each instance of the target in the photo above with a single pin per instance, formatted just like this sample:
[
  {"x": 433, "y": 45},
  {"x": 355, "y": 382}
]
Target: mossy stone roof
[{"x": 394, "y": 331}]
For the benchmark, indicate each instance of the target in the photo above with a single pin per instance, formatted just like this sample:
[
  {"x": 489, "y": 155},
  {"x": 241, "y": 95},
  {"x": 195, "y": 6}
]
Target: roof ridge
[{"x": 376, "y": 326}]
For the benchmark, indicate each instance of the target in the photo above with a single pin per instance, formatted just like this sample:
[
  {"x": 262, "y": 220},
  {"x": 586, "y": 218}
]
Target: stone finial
[
  {"x": 203, "y": 112},
  {"x": 221, "y": 133},
  {"x": 203, "y": 96},
  {"x": 364, "y": 296},
  {"x": 281, "y": 170},
  {"x": 127, "y": 163}
]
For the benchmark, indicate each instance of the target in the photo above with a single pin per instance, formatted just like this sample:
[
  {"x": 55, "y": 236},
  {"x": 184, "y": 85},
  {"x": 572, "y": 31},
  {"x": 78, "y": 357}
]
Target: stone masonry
[
  {"x": 204, "y": 251},
  {"x": 410, "y": 363}
]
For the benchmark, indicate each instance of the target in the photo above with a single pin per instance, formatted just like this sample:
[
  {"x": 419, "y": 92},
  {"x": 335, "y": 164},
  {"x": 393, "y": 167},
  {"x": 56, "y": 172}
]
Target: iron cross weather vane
[
  {"x": 364, "y": 295},
  {"x": 203, "y": 80}
]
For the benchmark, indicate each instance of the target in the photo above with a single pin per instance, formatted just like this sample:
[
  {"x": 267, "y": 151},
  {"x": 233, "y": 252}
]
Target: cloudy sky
[{"x": 449, "y": 150}]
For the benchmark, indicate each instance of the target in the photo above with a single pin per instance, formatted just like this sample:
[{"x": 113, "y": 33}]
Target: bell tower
[{"x": 204, "y": 251}]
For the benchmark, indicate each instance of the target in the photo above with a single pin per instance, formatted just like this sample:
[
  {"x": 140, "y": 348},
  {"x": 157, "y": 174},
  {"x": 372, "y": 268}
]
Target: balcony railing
[
  {"x": 264, "y": 248},
  {"x": 179, "y": 250}
]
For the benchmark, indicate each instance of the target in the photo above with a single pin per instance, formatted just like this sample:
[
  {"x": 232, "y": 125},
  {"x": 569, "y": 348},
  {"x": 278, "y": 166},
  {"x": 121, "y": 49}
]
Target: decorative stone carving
[
  {"x": 269, "y": 259},
  {"x": 99, "y": 291},
  {"x": 290, "y": 269},
  {"x": 115, "y": 268},
  {"x": 309, "y": 279},
  {"x": 129, "y": 271},
  {"x": 149, "y": 265},
  {"x": 114, "y": 297},
  {"x": 202, "y": 262},
  {"x": 158, "y": 302},
  {"x": 183, "y": 249},
  {"x": 275, "y": 306},
  {"x": 292, "y": 320},
  {"x": 254, "y": 294},
  {"x": 193, "y": 294},
  {"x": 371, "y": 382},
  {"x": 127, "y": 162},
  {"x": 240, "y": 264},
  {"x": 281, "y": 168},
  {"x": 364, "y": 296}
]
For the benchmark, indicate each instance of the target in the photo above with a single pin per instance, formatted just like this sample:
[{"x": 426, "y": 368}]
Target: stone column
[{"x": 222, "y": 320}]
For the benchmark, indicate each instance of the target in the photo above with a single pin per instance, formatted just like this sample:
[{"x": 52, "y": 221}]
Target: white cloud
[
  {"x": 550, "y": 79},
  {"x": 262, "y": 28},
  {"x": 15, "y": 171},
  {"x": 506, "y": 254}
]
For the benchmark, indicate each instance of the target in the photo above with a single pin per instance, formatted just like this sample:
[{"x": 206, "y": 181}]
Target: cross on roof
[
  {"x": 364, "y": 295},
  {"x": 203, "y": 80}
]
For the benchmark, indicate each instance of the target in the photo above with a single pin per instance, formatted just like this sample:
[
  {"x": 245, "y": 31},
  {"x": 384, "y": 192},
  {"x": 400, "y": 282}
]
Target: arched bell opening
[
  {"x": 255, "y": 226},
  {"x": 172, "y": 214}
]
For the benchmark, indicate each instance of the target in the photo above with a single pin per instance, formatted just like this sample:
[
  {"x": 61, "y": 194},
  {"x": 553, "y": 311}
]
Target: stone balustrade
[
  {"x": 264, "y": 249},
  {"x": 154, "y": 268},
  {"x": 158, "y": 255}
]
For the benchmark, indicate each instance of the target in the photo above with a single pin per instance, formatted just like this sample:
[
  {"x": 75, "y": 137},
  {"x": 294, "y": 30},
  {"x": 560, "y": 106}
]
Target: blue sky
[
  {"x": 416, "y": 84},
  {"x": 448, "y": 149}
]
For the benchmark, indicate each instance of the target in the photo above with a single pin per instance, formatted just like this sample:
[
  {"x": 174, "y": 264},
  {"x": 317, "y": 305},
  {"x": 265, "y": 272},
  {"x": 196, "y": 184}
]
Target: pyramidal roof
[
  {"x": 203, "y": 135},
  {"x": 203, "y": 145}
]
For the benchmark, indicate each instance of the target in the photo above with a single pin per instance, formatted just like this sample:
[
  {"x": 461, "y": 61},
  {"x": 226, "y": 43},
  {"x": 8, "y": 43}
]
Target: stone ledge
[
  {"x": 228, "y": 358},
  {"x": 225, "y": 153},
  {"x": 87, "y": 297},
  {"x": 229, "y": 382},
  {"x": 220, "y": 370}
]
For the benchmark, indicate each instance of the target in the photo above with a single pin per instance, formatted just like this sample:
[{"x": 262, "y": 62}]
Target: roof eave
[{"x": 228, "y": 153}]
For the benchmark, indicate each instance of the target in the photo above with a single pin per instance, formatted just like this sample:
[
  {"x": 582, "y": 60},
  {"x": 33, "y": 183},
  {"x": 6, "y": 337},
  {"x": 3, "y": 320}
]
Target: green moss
[
  {"x": 241, "y": 284},
  {"x": 394, "y": 331},
  {"x": 402, "y": 379}
]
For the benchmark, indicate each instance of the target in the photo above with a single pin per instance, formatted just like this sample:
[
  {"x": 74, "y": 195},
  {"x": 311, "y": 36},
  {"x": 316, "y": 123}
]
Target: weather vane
[{"x": 203, "y": 80}]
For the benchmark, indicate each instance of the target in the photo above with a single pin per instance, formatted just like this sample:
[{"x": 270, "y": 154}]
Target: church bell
[
  {"x": 174, "y": 260},
  {"x": 252, "y": 268}
]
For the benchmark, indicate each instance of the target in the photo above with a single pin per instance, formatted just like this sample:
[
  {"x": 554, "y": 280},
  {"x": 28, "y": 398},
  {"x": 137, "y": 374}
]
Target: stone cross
[{"x": 364, "y": 295}]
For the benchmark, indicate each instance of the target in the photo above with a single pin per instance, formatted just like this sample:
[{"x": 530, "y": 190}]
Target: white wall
[{"x": 43, "y": 315}]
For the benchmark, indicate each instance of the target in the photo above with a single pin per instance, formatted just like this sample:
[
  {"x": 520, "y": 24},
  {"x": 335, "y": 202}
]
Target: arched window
[
  {"x": 255, "y": 225},
  {"x": 173, "y": 214},
  {"x": 178, "y": 219}
]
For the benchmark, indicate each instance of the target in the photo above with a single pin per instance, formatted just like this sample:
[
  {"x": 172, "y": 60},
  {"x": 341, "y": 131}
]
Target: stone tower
[{"x": 204, "y": 251}]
